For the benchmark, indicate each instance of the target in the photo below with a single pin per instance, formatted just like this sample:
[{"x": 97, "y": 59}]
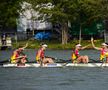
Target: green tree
[
  {"x": 62, "y": 12},
  {"x": 89, "y": 11},
  {"x": 85, "y": 12},
  {"x": 9, "y": 13}
]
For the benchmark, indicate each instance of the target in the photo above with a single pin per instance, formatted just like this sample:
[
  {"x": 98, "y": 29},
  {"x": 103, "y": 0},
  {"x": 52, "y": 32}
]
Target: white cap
[
  {"x": 78, "y": 45},
  {"x": 104, "y": 44},
  {"x": 44, "y": 45}
]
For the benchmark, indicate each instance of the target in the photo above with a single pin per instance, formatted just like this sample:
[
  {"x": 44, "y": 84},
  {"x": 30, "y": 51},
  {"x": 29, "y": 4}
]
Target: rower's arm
[
  {"x": 20, "y": 57},
  {"x": 97, "y": 48},
  {"x": 85, "y": 47},
  {"x": 25, "y": 46}
]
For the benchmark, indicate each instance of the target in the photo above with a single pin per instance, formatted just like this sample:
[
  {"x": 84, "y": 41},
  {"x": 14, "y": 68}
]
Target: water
[{"x": 66, "y": 78}]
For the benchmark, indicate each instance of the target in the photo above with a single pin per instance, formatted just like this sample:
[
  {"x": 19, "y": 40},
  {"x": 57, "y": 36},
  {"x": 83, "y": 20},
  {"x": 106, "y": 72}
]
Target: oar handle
[{"x": 4, "y": 61}]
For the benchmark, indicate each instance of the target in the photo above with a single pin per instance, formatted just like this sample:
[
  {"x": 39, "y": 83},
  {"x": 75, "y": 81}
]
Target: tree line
[{"x": 63, "y": 12}]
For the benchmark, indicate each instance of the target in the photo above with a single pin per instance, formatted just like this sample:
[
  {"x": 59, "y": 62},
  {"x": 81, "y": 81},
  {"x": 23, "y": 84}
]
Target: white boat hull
[{"x": 58, "y": 65}]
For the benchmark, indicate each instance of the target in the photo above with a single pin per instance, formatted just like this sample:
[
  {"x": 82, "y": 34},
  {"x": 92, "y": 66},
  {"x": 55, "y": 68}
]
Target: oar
[
  {"x": 5, "y": 61},
  {"x": 8, "y": 61},
  {"x": 96, "y": 61},
  {"x": 30, "y": 61}
]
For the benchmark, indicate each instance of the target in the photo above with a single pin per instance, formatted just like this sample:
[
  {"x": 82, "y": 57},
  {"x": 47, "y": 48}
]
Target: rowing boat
[{"x": 56, "y": 65}]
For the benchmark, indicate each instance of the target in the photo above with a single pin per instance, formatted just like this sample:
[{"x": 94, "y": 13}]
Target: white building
[{"x": 29, "y": 19}]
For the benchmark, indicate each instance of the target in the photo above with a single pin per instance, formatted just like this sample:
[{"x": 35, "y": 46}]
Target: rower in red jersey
[
  {"x": 76, "y": 57},
  {"x": 18, "y": 56},
  {"x": 40, "y": 56},
  {"x": 103, "y": 51}
]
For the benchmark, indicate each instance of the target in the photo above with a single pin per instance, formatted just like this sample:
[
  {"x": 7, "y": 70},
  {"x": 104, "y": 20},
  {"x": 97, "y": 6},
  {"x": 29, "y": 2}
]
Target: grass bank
[{"x": 34, "y": 44}]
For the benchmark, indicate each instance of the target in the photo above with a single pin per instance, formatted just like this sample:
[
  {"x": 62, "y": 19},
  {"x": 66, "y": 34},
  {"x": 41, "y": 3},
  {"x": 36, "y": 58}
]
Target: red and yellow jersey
[
  {"x": 75, "y": 54},
  {"x": 40, "y": 54},
  {"x": 14, "y": 56},
  {"x": 103, "y": 54}
]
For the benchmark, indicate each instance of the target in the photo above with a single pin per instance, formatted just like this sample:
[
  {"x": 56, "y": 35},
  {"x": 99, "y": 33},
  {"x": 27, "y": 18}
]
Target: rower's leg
[
  {"x": 83, "y": 59},
  {"x": 51, "y": 60},
  {"x": 23, "y": 60},
  {"x": 106, "y": 59},
  {"x": 80, "y": 59},
  {"x": 47, "y": 60},
  {"x": 86, "y": 59}
]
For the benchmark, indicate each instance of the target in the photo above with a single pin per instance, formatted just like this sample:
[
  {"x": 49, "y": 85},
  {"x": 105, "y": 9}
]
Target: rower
[
  {"x": 40, "y": 56},
  {"x": 76, "y": 57},
  {"x": 103, "y": 51},
  {"x": 18, "y": 56}
]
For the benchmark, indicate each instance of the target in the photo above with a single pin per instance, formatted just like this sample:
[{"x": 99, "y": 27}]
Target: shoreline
[{"x": 55, "y": 45}]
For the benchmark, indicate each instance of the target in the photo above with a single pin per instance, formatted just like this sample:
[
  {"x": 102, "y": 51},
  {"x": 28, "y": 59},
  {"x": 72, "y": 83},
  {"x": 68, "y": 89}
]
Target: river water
[{"x": 66, "y": 78}]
